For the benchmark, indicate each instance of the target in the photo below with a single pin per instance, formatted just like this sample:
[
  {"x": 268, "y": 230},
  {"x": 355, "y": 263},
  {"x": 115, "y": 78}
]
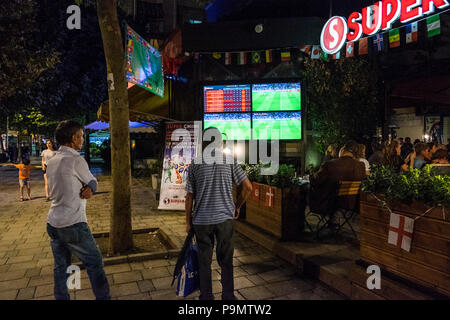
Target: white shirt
[
  {"x": 67, "y": 173},
  {"x": 366, "y": 163},
  {"x": 47, "y": 154}
]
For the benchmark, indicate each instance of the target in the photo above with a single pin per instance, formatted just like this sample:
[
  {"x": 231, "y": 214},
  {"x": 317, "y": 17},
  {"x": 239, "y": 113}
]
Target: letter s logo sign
[{"x": 334, "y": 35}]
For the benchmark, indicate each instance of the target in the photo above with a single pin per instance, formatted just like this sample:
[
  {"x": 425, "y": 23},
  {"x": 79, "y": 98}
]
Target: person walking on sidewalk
[
  {"x": 47, "y": 154},
  {"x": 24, "y": 176},
  {"x": 210, "y": 184},
  {"x": 70, "y": 185}
]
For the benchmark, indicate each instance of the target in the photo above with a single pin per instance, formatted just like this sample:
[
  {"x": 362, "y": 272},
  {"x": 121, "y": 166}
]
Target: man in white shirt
[{"x": 70, "y": 185}]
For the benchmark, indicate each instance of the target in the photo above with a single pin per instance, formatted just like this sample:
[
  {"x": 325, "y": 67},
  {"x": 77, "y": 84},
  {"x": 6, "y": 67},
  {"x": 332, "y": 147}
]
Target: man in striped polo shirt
[{"x": 210, "y": 186}]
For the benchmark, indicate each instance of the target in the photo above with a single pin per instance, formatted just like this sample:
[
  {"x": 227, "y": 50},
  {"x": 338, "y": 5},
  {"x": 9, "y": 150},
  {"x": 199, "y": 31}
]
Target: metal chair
[{"x": 347, "y": 205}]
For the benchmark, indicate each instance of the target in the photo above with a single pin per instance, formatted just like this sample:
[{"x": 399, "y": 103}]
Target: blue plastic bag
[{"x": 189, "y": 277}]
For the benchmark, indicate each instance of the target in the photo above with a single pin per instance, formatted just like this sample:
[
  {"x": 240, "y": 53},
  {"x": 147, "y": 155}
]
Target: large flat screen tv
[
  {"x": 276, "y": 97},
  {"x": 254, "y": 111},
  {"x": 236, "y": 126},
  {"x": 277, "y": 125},
  {"x": 227, "y": 98}
]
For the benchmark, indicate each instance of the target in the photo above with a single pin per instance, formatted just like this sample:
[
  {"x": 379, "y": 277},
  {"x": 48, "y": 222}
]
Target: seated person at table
[
  {"x": 325, "y": 183},
  {"x": 440, "y": 163},
  {"x": 361, "y": 156},
  {"x": 377, "y": 154},
  {"x": 391, "y": 156},
  {"x": 423, "y": 155}
]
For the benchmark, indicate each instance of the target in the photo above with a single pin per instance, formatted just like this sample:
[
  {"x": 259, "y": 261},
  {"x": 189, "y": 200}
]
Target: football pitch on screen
[
  {"x": 276, "y": 100},
  {"x": 235, "y": 130},
  {"x": 282, "y": 129}
]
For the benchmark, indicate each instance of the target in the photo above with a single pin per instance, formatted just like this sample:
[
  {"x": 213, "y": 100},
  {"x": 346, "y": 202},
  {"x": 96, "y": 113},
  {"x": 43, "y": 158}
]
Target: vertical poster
[
  {"x": 178, "y": 155},
  {"x": 429, "y": 122},
  {"x": 144, "y": 65}
]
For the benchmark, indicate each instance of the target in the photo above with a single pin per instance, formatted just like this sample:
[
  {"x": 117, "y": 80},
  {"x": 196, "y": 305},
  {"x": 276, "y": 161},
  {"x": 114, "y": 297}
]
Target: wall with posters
[{"x": 177, "y": 160}]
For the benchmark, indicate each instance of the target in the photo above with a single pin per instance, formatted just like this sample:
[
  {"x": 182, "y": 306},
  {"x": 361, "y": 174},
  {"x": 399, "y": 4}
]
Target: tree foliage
[
  {"x": 342, "y": 100},
  {"x": 71, "y": 88},
  {"x": 23, "y": 58}
]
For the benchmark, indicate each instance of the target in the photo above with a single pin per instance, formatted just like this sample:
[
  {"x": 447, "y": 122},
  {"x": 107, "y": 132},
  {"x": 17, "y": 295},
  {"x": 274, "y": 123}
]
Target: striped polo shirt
[{"x": 212, "y": 187}]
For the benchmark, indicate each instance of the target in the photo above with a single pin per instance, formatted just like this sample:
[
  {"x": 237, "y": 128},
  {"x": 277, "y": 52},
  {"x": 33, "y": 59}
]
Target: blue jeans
[{"x": 77, "y": 239}]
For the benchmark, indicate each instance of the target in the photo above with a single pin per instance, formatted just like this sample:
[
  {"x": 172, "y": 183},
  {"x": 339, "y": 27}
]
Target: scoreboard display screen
[
  {"x": 227, "y": 98},
  {"x": 254, "y": 111}
]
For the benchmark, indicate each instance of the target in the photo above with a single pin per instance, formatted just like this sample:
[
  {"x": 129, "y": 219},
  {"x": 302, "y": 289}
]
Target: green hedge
[
  {"x": 421, "y": 185},
  {"x": 284, "y": 178}
]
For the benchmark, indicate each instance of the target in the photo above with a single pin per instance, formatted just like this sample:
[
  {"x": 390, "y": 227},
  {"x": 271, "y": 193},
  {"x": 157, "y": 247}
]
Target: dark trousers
[
  {"x": 77, "y": 239},
  {"x": 223, "y": 232}
]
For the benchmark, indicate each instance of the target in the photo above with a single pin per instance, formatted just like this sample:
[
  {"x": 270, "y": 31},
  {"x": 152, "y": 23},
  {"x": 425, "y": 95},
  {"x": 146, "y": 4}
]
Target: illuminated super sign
[{"x": 380, "y": 16}]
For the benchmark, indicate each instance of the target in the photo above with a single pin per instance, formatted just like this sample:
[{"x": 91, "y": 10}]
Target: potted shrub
[
  {"x": 415, "y": 194},
  {"x": 279, "y": 207}
]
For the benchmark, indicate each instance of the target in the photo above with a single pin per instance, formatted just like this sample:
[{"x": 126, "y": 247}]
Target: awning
[
  {"x": 134, "y": 126},
  {"x": 144, "y": 105}
]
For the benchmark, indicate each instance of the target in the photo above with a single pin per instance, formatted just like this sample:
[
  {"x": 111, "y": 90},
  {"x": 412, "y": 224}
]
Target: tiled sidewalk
[{"x": 26, "y": 261}]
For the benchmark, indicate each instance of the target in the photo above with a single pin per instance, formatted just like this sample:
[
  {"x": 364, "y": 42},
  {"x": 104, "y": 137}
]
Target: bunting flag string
[{"x": 378, "y": 43}]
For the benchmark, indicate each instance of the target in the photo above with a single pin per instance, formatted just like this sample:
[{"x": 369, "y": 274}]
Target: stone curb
[{"x": 138, "y": 257}]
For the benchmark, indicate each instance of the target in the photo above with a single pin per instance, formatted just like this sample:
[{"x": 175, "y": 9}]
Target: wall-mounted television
[
  {"x": 277, "y": 125},
  {"x": 227, "y": 98},
  {"x": 236, "y": 126},
  {"x": 270, "y": 110},
  {"x": 276, "y": 97}
]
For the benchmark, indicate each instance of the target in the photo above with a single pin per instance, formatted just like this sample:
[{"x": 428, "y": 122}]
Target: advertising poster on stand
[{"x": 178, "y": 154}]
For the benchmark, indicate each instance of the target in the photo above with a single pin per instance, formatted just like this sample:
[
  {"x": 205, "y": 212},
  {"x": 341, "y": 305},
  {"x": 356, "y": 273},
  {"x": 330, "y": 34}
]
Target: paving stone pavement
[{"x": 26, "y": 260}]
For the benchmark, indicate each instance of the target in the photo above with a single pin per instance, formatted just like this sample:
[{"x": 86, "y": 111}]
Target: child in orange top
[{"x": 24, "y": 176}]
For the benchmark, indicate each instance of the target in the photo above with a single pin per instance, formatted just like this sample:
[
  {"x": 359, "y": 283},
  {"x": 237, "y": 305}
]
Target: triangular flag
[
  {"x": 285, "y": 56},
  {"x": 378, "y": 42},
  {"x": 337, "y": 55},
  {"x": 306, "y": 49},
  {"x": 363, "y": 46},
  {"x": 315, "y": 53},
  {"x": 242, "y": 58},
  {"x": 256, "y": 57},
  {"x": 255, "y": 192},
  {"x": 268, "y": 56},
  {"x": 324, "y": 55},
  {"x": 217, "y": 55},
  {"x": 270, "y": 197},
  {"x": 227, "y": 58},
  {"x": 433, "y": 26},
  {"x": 411, "y": 32},
  {"x": 350, "y": 49},
  {"x": 394, "y": 38},
  {"x": 401, "y": 231}
]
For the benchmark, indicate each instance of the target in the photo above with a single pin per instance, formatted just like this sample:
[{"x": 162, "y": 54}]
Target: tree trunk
[
  {"x": 1, "y": 143},
  {"x": 120, "y": 236}
]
